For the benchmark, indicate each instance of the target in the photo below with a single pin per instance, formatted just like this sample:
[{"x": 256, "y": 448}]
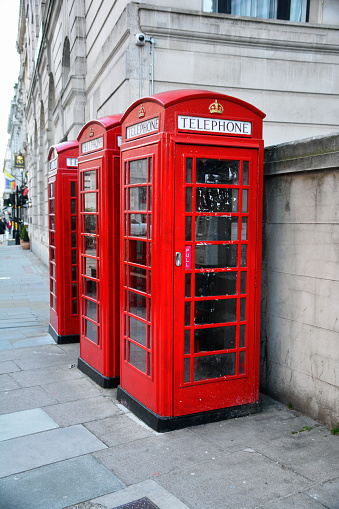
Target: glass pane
[
  {"x": 217, "y": 255},
  {"x": 52, "y": 256},
  {"x": 137, "y": 304},
  {"x": 215, "y": 311},
  {"x": 138, "y": 225},
  {"x": 74, "y": 273},
  {"x": 245, "y": 173},
  {"x": 73, "y": 206},
  {"x": 149, "y": 226},
  {"x": 73, "y": 188},
  {"x": 91, "y": 330},
  {"x": 73, "y": 223},
  {"x": 213, "y": 199},
  {"x": 91, "y": 247},
  {"x": 90, "y": 267},
  {"x": 74, "y": 290},
  {"x": 242, "y": 310},
  {"x": 74, "y": 307},
  {"x": 241, "y": 363},
  {"x": 53, "y": 302},
  {"x": 89, "y": 181},
  {"x": 188, "y": 228},
  {"x": 217, "y": 171},
  {"x": 74, "y": 257},
  {"x": 52, "y": 270},
  {"x": 187, "y": 374},
  {"x": 51, "y": 222},
  {"x": 90, "y": 309},
  {"x": 216, "y": 228},
  {"x": 138, "y": 198},
  {"x": 150, "y": 198},
  {"x": 74, "y": 239},
  {"x": 51, "y": 190},
  {"x": 149, "y": 281},
  {"x": 242, "y": 336},
  {"x": 137, "y": 279},
  {"x": 138, "y": 171},
  {"x": 91, "y": 289},
  {"x": 51, "y": 206},
  {"x": 187, "y": 313},
  {"x": 137, "y": 252},
  {"x": 137, "y": 357},
  {"x": 52, "y": 286},
  {"x": 90, "y": 223},
  {"x": 150, "y": 162},
  {"x": 149, "y": 364},
  {"x": 187, "y": 285},
  {"x": 243, "y": 282},
  {"x": 125, "y": 173},
  {"x": 188, "y": 199},
  {"x": 214, "y": 366},
  {"x": 208, "y": 284},
  {"x": 215, "y": 338},
  {"x": 137, "y": 331},
  {"x": 187, "y": 341},
  {"x": 189, "y": 170},
  {"x": 52, "y": 239},
  {"x": 149, "y": 254},
  {"x": 245, "y": 200},
  {"x": 90, "y": 202},
  {"x": 244, "y": 256},
  {"x": 244, "y": 228}
]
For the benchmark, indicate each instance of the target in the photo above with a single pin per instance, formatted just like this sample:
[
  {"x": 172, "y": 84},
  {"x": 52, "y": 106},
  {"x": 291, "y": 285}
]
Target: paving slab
[
  {"x": 34, "y": 341},
  {"x": 42, "y": 376},
  {"x": 153, "y": 456},
  {"x": 52, "y": 358},
  {"x": 236, "y": 434},
  {"x": 27, "y": 422},
  {"x": 313, "y": 454},
  {"x": 24, "y": 399},
  {"x": 7, "y": 383},
  {"x": 32, "y": 451},
  {"x": 150, "y": 489},
  {"x": 58, "y": 485},
  {"x": 71, "y": 390},
  {"x": 241, "y": 479},
  {"x": 78, "y": 412},
  {"x": 118, "y": 430},
  {"x": 327, "y": 493},
  {"x": 8, "y": 367}
]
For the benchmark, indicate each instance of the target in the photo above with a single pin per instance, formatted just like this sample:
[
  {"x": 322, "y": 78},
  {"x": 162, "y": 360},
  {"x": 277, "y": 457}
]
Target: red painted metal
[
  {"x": 99, "y": 205},
  {"x": 63, "y": 247},
  {"x": 190, "y": 301}
]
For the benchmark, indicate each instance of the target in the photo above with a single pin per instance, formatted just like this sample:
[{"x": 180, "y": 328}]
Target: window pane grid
[{"x": 230, "y": 350}]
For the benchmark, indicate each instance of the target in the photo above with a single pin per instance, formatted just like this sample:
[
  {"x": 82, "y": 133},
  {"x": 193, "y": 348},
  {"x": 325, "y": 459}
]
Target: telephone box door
[{"x": 216, "y": 315}]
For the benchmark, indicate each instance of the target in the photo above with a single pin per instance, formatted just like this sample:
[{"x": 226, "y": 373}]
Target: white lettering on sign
[
  {"x": 142, "y": 128},
  {"x": 91, "y": 145},
  {"x": 214, "y": 125}
]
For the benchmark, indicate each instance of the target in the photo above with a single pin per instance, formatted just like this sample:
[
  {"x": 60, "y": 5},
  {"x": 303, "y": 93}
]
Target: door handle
[{"x": 178, "y": 259}]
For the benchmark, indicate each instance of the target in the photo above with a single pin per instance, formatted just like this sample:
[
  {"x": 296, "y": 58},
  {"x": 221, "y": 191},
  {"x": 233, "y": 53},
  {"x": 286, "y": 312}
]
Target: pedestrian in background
[
  {"x": 9, "y": 228},
  {"x": 2, "y": 230}
]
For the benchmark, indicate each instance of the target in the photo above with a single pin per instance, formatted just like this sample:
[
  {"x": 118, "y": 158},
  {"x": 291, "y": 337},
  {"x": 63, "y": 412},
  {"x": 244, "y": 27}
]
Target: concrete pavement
[{"x": 67, "y": 443}]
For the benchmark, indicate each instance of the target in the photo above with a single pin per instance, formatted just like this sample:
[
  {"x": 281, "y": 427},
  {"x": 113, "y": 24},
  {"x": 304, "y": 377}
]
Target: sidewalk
[{"x": 67, "y": 443}]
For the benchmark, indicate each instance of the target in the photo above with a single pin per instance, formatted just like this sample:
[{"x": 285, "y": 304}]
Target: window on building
[
  {"x": 291, "y": 10},
  {"x": 66, "y": 61}
]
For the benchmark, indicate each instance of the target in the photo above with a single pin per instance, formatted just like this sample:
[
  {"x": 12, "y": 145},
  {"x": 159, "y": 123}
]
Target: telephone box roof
[
  {"x": 167, "y": 99},
  {"x": 107, "y": 122},
  {"x": 61, "y": 147}
]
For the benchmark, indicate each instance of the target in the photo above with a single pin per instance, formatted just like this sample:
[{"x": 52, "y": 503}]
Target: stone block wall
[{"x": 300, "y": 279}]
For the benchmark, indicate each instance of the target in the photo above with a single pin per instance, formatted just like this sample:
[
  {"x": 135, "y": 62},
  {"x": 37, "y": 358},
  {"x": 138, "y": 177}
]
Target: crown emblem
[
  {"x": 216, "y": 107},
  {"x": 142, "y": 111},
  {"x": 91, "y": 132}
]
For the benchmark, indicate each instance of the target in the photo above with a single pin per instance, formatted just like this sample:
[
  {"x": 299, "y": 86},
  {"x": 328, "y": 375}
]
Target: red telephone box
[
  {"x": 99, "y": 183},
  {"x": 64, "y": 324},
  {"x": 190, "y": 258}
]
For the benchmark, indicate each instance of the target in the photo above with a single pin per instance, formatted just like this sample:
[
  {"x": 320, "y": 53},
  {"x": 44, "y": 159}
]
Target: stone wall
[{"x": 300, "y": 279}]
